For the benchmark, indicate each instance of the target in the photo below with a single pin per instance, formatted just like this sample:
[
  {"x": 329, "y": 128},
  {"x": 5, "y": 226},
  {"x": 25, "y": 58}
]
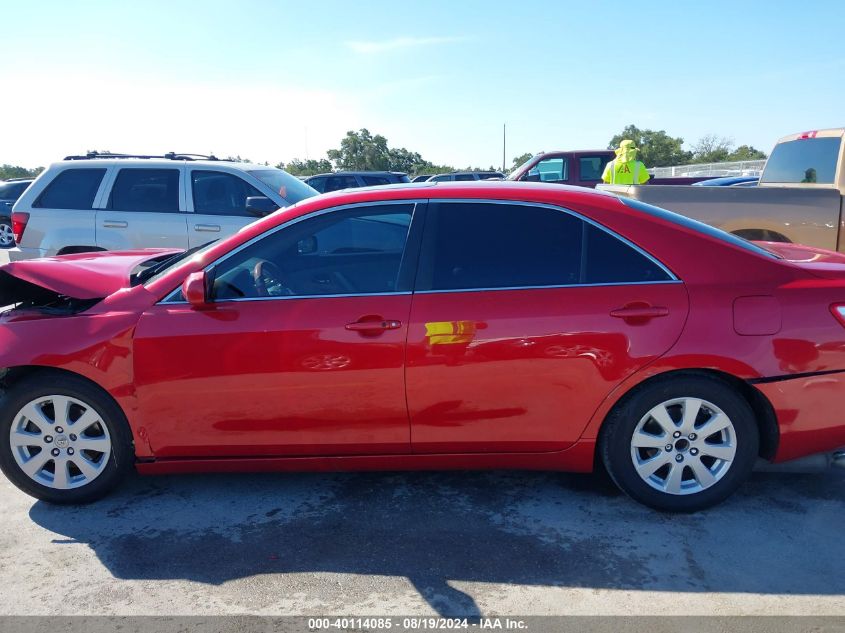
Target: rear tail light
[
  {"x": 19, "y": 220},
  {"x": 838, "y": 310}
]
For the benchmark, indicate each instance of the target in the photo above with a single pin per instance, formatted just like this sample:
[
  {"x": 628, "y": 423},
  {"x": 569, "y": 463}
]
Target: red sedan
[{"x": 474, "y": 325}]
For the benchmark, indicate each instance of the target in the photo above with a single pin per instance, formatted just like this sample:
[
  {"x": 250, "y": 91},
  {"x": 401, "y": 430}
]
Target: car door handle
[
  {"x": 374, "y": 325},
  {"x": 208, "y": 228},
  {"x": 639, "y": 312},
  {"x": 115, "y": 224}
]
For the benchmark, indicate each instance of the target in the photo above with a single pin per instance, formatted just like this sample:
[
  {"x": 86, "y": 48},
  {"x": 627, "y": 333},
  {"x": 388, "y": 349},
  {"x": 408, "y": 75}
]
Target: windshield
[
  {"x": 804, "y": 161},
  {"x": 711, "y": 231},
  {"x": 150, "y": 273},
  {"x": 512, "y": 175},
  {"x": 289, "y": 187}
]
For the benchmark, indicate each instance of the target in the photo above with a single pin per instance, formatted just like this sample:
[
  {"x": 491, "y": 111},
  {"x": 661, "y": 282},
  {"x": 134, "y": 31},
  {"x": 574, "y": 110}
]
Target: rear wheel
[
  {"x": 62, "y": 439},
  {"x": 7, "y": 236},
  {"x": 681, "y": 445}
]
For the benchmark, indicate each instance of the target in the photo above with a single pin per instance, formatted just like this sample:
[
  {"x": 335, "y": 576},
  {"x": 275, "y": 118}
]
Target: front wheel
[
  {"x": 681, "y": 445},
  {"x": 62, "y": 439}
]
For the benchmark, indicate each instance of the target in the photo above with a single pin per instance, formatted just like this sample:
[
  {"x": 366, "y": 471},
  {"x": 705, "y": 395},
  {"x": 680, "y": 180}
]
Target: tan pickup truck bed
[{"x": 799, "y": 198}]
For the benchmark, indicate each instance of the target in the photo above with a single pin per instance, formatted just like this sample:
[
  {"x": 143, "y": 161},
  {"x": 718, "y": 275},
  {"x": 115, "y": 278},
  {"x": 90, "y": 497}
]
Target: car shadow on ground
[{"x": 781, "y": 534}]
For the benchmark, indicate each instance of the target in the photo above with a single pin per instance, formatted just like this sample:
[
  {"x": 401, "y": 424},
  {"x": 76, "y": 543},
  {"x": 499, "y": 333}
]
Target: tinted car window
[
  {"x": 465, "y": 177},
  {"x": 72, "y": 189},
  {"x": 483, "y": 245},
  {"x": 335, "y": 183},
  {"x": 375, "y": 180},
  {"x": 440, "y": 178},
  {"x": 317, "y": 183},
  {"x": 152, "y": 190},
  {"x": 609, "y": 260},
  {"x": 550, "y": 170},
  {"x": 591, "y": 167},
  {"x": 12, "y": 190},
  {"x": 353, "y": 251},
  {"x": 810, "y": 160},
  {"x": 219, "y": 193}
]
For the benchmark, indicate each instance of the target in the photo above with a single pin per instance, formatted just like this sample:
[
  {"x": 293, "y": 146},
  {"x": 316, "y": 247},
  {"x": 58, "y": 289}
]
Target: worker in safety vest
[{"x": 625, "y": 169}]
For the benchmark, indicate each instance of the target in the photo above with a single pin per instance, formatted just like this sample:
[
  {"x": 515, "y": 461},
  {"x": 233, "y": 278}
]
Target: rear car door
[
  {"x": 302, "y": 352},
  {"x": 590, "y": 169},
  {"x": 217, "y": 205},
  {"x": 144, "y": 209},
  {"x": 524, "y": 318}
]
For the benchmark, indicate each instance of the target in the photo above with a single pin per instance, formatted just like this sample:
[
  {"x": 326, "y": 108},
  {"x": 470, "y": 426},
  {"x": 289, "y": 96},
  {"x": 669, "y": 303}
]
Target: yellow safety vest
[{"x": 632, "y": 172}]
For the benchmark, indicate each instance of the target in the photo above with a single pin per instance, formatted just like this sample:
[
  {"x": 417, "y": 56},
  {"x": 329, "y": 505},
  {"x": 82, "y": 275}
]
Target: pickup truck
[
  {"x": 799, "y": 197},
  {"x": 582, "y": 168}
]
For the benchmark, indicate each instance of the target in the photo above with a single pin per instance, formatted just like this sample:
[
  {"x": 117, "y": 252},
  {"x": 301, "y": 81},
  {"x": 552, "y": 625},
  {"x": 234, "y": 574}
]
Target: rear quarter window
[{"x": 71, "y": 189}]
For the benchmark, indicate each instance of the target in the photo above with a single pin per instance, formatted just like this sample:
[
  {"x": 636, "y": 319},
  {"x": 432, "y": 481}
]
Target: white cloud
[
  {"x": 61, "y": 114},
  {"x": 382, "y": 46}
]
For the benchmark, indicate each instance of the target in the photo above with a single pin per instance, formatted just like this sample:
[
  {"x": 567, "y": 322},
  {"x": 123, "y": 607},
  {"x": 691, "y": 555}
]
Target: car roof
[
  {"x": 365, "y": 172},
  {"x": 158, "y": 162}
]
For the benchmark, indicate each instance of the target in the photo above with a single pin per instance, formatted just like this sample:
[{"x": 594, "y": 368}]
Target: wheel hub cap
[
  {"x": 60, "y": 442},
  {"x": 683, "y": 446}
]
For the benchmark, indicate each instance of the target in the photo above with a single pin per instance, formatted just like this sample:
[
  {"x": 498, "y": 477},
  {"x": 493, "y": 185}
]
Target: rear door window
[
  {"x": 220, "y": 193},
  {"x": 476, "y": 246},
  {"x": 591, "y": 167},
  {"x": 149, "y": 190},
  {"x": 72, "y": 189}
]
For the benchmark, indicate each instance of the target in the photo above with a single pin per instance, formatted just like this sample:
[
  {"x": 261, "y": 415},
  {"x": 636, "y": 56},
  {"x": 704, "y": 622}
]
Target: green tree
[
  {"x": 361, "y": 151},
  {"x": 747, "y": 152},
  {"x": 518, "y": 160},
  {"x": 14, "y": 171},
  {"x": 657, "y": 149},
  {"x": 711, "y": 149},
  {"x": 308, "y": 167}
]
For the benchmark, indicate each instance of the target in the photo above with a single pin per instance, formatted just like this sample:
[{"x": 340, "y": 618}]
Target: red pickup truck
[{"x": 580, "y": 167}]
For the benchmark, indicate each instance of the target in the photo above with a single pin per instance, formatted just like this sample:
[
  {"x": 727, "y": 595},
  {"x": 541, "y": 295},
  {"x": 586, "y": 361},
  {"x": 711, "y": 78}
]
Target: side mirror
[
  {"x": 194, "y": 290},
  {"x": 306, "y": 246},
  {"x": 259, "y": 206}
]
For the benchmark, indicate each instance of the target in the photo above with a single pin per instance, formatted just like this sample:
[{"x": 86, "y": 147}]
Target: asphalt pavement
[{"x": 453, "y": 543}]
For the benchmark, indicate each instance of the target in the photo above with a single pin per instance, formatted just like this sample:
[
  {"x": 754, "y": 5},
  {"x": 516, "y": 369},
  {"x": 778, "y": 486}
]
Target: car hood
[{"x": 79, "y": 276}]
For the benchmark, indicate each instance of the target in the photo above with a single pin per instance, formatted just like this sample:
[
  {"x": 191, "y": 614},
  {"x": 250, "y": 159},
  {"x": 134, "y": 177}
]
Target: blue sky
[{"x": 278, "y": 80}]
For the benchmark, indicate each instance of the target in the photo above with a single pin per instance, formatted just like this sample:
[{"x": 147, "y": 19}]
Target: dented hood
[{"x": 80, "y": 276}]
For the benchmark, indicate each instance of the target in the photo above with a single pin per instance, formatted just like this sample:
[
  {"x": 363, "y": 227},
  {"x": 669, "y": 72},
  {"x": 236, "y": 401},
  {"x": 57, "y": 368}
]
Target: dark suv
[
  {"x": 10, "y": 191},
  {"x": 352, "y": 179}
]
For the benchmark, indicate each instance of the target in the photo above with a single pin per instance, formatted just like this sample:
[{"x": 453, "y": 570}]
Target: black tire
[
  {"x": 618, "y": 431},
  {"x": 121, "y": 458}
]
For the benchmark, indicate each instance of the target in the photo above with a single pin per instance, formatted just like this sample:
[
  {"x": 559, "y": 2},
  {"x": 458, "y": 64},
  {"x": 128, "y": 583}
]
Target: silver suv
[{"x": 118, "y": 202}]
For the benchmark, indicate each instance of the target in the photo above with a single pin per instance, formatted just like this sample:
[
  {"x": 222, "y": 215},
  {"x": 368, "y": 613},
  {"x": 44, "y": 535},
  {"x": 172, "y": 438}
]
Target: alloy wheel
[
  {"x": 683, "y": 446},
  {"x": 60, "y": 442},
  {"x": 7, "y": 236}
]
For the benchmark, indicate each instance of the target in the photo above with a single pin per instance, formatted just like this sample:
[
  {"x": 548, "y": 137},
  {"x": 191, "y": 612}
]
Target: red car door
[
  {"x": 301, "y": 354},
  {"x": 524, "y": 318}
]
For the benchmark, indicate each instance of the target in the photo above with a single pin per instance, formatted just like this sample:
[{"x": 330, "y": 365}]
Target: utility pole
[{"x": 504, "y": 144}]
